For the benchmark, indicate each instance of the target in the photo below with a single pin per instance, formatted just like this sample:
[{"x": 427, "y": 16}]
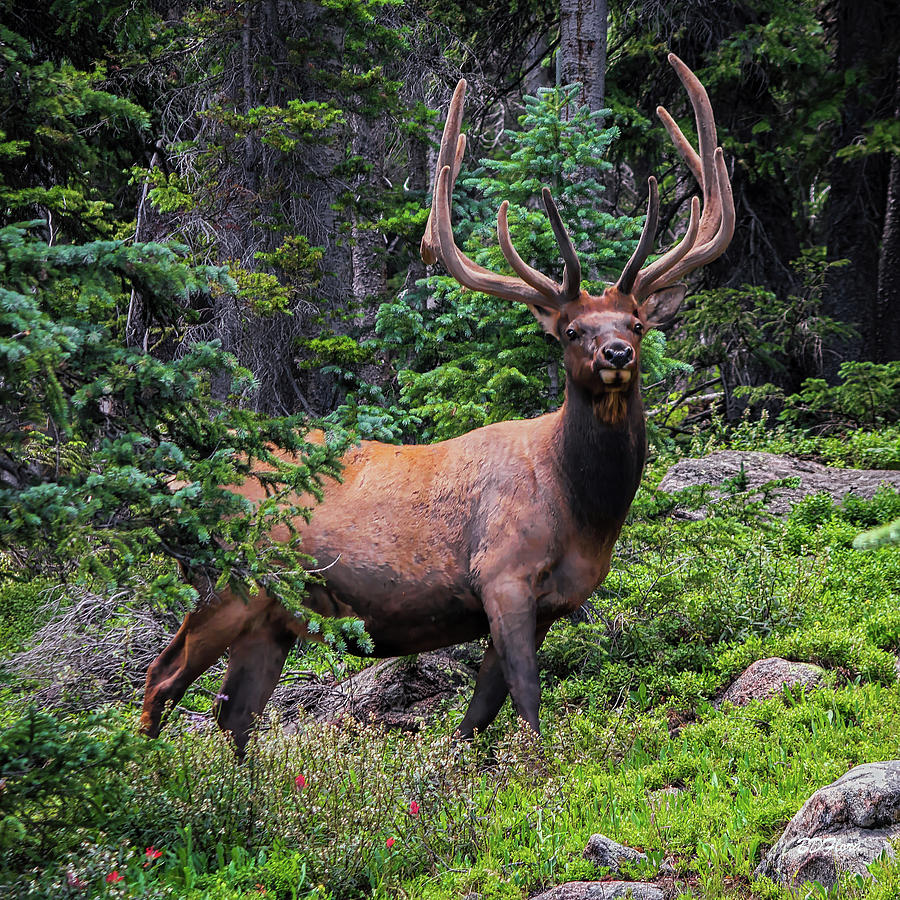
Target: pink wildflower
[
  {"x": 390, "y": 843},
  {"x": 300, "y": 781},
  {"x": 414, "y": 808}
]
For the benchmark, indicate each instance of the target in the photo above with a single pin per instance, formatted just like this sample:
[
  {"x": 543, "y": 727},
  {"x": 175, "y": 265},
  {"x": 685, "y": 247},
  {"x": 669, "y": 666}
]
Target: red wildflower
[
  {"x": 414, "y": 808},
  {"x": 300, "y": 781},
  {"x": 151, "y": 853},
  {"x": 74, "y": 881},
  {"x": 113, "y": 877},
  {"x": 390, "y": 843}
]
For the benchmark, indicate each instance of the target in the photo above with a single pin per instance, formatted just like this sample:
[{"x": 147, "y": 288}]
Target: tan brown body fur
[{"x": 396, "y": 541}]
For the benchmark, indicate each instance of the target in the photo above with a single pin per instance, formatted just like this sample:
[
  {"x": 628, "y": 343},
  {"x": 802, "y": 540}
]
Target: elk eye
[
  {"x": 571, "y": 334},
  {"x": 638, "y": 328}
]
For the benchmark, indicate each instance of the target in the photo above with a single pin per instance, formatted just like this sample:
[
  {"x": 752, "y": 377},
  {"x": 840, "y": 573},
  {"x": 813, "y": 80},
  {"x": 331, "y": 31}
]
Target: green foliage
[
  {"x": 111, "y": 454},
  {"x": 57, "y": 781},
  {"x": 882, "y": 136},
  {"x": 854, "y": 448},
  {"x": 62, "y": 141},
  {"x": 879, "y": 537},
  {"x": 749, "y": 328},
  {"x": 475, "y": 359},
  {"x": 867, "y": 395},
  {"x": 19, "y": 602}
]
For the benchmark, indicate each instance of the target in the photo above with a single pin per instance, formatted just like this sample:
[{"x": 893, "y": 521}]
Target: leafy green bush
[
  {"x": 112, "y": 454},
  {"x": 749, "y": 332},
  {"x": 867, "y": 395},
  {"x": 58, "y": 781},
  {"x": 851, "y": 448},
  {"x": 20, "y": 601}
]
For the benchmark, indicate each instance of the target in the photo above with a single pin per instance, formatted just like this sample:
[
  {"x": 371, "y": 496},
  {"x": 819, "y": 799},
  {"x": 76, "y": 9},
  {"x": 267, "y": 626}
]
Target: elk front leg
[
  {"x": 512, "y": 617},
  {"x": 204, "y": 636},
  {"x": 255, "y": 661},
  {"x": 490, "y": 691}
]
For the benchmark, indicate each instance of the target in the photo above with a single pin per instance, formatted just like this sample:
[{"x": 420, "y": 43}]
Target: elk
[{"x": 498, "y": 532}]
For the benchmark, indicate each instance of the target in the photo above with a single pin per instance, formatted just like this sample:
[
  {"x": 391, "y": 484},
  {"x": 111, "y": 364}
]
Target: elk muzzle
[{"x": 614, "y": 362}]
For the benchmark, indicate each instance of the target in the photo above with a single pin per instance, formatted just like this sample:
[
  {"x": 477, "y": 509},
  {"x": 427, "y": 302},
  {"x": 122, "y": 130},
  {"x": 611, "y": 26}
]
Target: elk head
[{"x": 600, "y": 334}]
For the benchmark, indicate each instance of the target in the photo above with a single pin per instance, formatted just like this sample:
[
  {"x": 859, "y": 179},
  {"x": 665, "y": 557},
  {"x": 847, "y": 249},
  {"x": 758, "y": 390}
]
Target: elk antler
[
  {"x": 531, "y": 286},
  {"x": 705, "y": 240}
]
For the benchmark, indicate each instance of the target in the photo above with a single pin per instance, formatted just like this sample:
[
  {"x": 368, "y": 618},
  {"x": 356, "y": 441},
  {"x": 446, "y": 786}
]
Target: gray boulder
[
  {"x": 767, "y": 677},
  {"x": 760, "y": 468},
  {"x": 399, "y": 692},
  {"x": 841, "y": 828}
]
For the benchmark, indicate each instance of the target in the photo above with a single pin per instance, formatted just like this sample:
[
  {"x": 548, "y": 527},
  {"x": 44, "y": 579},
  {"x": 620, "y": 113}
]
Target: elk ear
[
  {"x": 548, "y": 317},
  {"x": 662, "y": 305}
]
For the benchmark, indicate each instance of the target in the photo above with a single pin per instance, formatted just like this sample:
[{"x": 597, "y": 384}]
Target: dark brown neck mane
[{"x": 601, "y": 462}]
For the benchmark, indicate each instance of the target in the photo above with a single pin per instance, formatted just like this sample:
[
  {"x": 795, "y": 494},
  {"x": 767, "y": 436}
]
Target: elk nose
[{"x": 618, "y": 353}]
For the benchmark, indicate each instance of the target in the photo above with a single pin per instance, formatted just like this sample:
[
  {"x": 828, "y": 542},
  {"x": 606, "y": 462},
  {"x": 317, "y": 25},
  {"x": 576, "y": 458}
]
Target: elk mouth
[{"x": 615, "y": 378}]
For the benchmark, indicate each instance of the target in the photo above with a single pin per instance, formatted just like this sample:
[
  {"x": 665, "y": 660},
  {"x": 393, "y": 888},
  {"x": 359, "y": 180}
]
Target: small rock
[
  {"x": 603, "y": 890},
  {"x": 841, "y": 828},
  {"x": 606, "y": 852},
  {"x": 667, "y": 868},
  {"x": 767, "y": 677}
]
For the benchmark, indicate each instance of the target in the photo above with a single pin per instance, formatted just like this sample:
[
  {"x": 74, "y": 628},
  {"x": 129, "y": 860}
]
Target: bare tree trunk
[
  {"x": 854, "y": 217},
  {"x": 536, "y": 75},
  {"x": 416, "y": 184},
  {"x": 887, "y": 303},
  {"x": 582, "y": 48},
  {"x": 367, "y": 250}
]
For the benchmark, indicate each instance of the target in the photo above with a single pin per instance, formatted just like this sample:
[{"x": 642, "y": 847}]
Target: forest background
[{"x": 209, "y": 227}]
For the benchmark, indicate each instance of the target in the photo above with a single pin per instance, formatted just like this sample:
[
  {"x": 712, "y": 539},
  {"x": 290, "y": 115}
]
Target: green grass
[{"x": 632, "y": 746}]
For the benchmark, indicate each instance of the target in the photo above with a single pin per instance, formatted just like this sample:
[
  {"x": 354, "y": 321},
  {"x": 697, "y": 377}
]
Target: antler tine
[
  {"x": 707, "y": 239},
  {"x": 531, "y": 286},
  {"x": 645, "y": 244},
  {"x": 700, "y": 254},
  {"x": 453, "y": 145},
  {"x": 571, "y": 286},
  {"x": 466, "y": 272},
  {"x": 664, "y": 263},
  {"x": 538, "y": 280}
]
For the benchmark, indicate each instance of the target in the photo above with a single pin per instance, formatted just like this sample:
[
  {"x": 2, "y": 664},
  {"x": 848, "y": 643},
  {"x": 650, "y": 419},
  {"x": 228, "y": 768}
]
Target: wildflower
[
  {"x": 74, "y": 881},
  {"x": 300, "y": 781},
  {"x": 151, "y": 853},
  {"x": 390, "y": 843},
  {"x": 414, "y": 808},
  {"x": 222, "y": 697},
  {"x": 114, "y": 877}
]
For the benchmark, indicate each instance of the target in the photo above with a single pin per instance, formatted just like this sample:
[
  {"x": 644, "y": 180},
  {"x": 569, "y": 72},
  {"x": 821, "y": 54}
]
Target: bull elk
[{"x": 503, "y": 530}]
